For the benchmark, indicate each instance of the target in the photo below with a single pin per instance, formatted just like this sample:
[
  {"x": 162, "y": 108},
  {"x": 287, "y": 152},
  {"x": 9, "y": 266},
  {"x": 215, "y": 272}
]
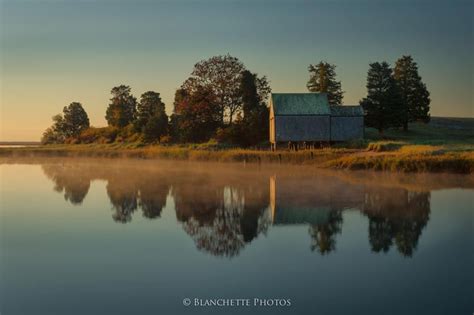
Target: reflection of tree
[
  {"x": 69, "y": 180},
  {"x": 396, "y": 216},
  {"x": 124, "y": 199},
  {"x": 223, "y": 210},
  {"x": 142, "y": 188},
  {"x": 153, "y": 195},
  {"x": 323, "y": 235},
  {"x": 228, "y": 219},
  {"x": 380, "y": 234}
]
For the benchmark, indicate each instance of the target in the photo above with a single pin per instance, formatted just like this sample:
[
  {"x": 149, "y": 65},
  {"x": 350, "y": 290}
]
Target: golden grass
[
  {"x": 378, "y": 156},
  {"x": 424, "y": 148}
]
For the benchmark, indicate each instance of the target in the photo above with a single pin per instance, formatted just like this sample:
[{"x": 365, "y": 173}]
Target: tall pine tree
[
  {"x": 383, "y": 103},
  {"x": 415, "y": 96},
  {"x": 254, "y": 127},
  {"x": 322, "y": 79}
]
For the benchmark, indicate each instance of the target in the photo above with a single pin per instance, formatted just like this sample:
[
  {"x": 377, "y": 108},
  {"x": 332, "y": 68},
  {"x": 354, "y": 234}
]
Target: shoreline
[{"x": 410, "y": 159}]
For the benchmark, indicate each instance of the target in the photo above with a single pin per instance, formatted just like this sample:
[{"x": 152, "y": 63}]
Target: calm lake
[{"x": 137, "y": 237}]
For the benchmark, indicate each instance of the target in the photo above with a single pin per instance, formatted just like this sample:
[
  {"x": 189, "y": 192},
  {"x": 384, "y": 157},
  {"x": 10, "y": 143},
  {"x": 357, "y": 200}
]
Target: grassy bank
[{"x": 444, "y": 145}]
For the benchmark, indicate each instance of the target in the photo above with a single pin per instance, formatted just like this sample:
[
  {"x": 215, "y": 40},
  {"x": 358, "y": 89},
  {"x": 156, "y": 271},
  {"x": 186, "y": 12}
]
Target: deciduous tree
[
  {"x": 156, "y": 127},
  {"x": 222, "y": 75},
  {"x": 150, "y": 104},
  {"x": 196, "y": 115},
  {"x": 75, "y": 119},
  {"x": 67, "y": 125},
  {"x": 121, "y": 111}
]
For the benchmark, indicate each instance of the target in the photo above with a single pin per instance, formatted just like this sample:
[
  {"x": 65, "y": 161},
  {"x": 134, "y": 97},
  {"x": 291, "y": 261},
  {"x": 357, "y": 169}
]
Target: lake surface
[{"x": 138, "y": 237}]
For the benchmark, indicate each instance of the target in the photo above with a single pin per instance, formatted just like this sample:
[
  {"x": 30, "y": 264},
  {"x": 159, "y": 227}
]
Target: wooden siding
[
  {"x": 301, "y": 128},
  {"x": 347, "y": 128},
  {"x": 272, "y": 123}
]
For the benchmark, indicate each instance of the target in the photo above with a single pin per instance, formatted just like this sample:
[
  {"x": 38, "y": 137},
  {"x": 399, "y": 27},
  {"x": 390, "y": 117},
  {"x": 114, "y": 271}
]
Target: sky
[{"x": 57, "y": 52}]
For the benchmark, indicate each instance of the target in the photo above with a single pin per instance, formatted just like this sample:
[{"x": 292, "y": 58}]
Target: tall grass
[{"x": 423, "y": 149}]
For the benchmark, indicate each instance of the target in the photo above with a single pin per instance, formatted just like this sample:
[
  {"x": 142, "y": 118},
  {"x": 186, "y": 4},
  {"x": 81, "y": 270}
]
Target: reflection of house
[
  {"x": 308, "y": 117},
  {"x": 296, "y": 201},
  {"x": 396, "y": 216},
  {"x": 313, "y": 201}
]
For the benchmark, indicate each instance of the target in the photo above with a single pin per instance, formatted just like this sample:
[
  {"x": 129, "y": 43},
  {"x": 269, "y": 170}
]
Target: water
[{"x": 138, "y": 237}]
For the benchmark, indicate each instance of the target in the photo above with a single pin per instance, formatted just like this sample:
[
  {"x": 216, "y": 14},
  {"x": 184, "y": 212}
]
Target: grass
[{"x": 444, "y": 145}]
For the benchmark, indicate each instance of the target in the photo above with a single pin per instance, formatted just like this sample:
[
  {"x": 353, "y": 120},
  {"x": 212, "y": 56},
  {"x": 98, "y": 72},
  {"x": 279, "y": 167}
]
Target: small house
[{"x": 308, "y": 118}]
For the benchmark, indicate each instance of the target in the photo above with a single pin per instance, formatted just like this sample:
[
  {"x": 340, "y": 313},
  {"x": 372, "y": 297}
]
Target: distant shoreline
[{"x": 19, "y": 143}]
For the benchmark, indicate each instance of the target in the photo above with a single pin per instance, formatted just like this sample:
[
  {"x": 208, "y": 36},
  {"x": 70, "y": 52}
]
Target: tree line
[
  {"x": 225, "y": 101},
  {"x": 395, "y": 96}
]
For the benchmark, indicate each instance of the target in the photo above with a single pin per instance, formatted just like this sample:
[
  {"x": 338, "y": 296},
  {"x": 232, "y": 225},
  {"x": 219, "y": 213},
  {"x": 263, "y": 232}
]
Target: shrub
[{"x": 98, "y": 135}]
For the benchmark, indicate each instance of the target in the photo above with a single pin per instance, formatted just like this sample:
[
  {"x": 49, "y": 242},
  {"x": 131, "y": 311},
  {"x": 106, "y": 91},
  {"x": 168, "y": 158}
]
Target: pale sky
[{"x": 57, "y": 52}]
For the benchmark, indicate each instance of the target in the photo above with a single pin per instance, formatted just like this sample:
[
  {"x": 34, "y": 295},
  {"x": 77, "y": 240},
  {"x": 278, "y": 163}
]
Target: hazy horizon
[{"x": 57, "y": 52}]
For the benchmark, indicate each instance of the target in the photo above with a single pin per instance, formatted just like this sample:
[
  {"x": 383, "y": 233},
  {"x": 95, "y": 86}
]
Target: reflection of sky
[
  {"x": 55, "y": 52},
  {"x": 75, "y": 259}
]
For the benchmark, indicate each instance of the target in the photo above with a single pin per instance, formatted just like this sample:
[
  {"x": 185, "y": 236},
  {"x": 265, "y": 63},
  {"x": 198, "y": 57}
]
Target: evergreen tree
[
  {"x": 383, "y": 103},
  {"x": 322, "y": 79},
  {"x": 248, "y": 90},
  {"x": 150, "y": 104},
  {"x": 121, "y": 110},
  {"x": 415, "y": 96},
  {"x": 255, "y": 123}
]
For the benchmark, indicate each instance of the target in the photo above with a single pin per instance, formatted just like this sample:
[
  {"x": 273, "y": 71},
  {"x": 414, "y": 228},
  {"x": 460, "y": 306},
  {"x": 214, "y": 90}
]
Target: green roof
[
  {"x": 342, "y": 110},
  {"x": 301, "y": 215},
  {"x": 300, "y": 104}
]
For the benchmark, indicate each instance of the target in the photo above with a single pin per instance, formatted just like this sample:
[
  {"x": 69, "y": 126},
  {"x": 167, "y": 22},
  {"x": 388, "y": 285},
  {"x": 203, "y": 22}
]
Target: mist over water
[{"x": 137, "y": 237}]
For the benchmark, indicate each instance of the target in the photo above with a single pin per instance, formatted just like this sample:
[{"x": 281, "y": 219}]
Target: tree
[
  {"x": 415, "y": 96},
  {"x": 156, "y": 127},
  {"x": 75, "y": 119},
  {"x": 56, "y": 133},
  {"x": 150, "y": 104},
  {"x": 196, "y": 115},
  {"x": 248, "y": 91},
  {"x": 67, "y": 125},
  {"x": 383, "y": 103},
  {"x": 255, "y": 120},
  {"x": 323, "y": 236},
  {"x": 252, "y": 128},
  {"x": 322, "y": 79},
  {"x": 121, "y": 110},
  {"x": 222, "y": 75}
]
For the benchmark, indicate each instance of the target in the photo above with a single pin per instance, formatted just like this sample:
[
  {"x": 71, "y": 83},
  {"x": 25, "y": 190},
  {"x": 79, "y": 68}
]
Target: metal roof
[
  {"x": 300, "y": 104},
  {"x": 344, "y": 110},
  {"x": 301, "y": 215}
]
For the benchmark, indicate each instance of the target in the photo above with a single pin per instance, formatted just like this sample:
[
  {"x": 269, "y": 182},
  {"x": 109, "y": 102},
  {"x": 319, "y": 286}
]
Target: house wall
[
  {"x": 272, "y": 125},
  {"x": 347, "y": 128},
  {"x": 301, "y": 128}
]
